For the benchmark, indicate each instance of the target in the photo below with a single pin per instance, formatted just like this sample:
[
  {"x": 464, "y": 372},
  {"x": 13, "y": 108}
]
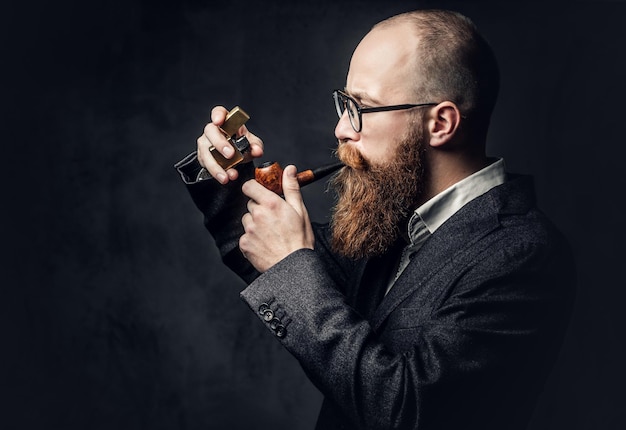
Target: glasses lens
[
  {"x": 340, "y": 103},
  {"x": 343, "y": 102},
  {"x": 353, "y": 114}
]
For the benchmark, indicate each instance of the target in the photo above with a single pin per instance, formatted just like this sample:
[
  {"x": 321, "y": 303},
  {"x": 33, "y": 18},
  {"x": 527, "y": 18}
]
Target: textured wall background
[{"x": 117, "y": 313}]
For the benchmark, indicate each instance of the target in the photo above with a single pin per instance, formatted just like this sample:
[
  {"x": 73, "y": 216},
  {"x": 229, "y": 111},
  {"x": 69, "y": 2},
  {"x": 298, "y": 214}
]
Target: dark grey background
[{"x": 116, "y": 312}]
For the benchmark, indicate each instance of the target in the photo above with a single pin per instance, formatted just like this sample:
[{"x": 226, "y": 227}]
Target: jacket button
[
  {"x": 263, "y": 307},
  {"x": 274, "y": 323},
  {"x": 280, "y": 331},
  {"x": 268, "y": 315}
]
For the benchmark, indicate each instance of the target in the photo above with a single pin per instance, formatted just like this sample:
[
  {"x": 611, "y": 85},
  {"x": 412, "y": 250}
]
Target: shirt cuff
[{"x": 190, "y": 170}]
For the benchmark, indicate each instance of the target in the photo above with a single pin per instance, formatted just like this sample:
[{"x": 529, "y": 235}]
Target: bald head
[
  {"x": 381, "y": 66},
  {"x": 447, "y": 59}
]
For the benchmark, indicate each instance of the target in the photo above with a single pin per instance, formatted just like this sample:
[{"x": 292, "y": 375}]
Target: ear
[{"x": 443, "y": 123}]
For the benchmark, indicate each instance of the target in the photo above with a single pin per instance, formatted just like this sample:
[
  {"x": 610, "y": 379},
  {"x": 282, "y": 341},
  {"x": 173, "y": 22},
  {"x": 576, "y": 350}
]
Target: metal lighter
[{"x": 234, "y": 120}]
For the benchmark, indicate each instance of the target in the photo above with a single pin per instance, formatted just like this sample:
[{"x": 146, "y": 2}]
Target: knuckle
[
  {"x": 248, "y": 224},
  {"x": 243, "y": 242},
  {"x": 272, "y": 205},
  {"x": 245, "y": 245},
  {"x": 212, "y": 166},
  {"x": 291, "y": 186}
]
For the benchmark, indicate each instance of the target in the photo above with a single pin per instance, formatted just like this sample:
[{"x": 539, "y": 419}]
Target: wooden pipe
[{"x": 270, "y": 175}]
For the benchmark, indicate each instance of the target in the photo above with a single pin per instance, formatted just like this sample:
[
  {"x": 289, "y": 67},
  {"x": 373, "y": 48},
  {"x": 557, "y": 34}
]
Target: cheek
[
  {"x": 380, "y": 141},
  {"x": 378, "y": 149}
]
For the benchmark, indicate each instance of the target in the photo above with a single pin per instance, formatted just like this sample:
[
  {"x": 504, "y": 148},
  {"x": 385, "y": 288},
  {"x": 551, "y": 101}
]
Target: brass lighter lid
[{"x": 235, "y": 119}]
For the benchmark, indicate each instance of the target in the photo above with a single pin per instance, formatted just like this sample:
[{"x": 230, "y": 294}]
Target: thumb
[{"x": 291, "y": 189}]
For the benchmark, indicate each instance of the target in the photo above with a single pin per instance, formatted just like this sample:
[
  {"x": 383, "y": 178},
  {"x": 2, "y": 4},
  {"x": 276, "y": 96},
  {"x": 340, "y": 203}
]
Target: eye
[{"x": 352, "y": 109}]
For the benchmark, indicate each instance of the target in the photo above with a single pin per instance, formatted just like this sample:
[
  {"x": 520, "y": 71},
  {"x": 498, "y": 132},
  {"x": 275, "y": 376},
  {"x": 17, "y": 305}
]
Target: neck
[{"x": 445, "y": 169}]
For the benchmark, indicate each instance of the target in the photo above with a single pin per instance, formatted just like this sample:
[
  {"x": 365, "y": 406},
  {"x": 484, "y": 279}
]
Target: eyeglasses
[{"x": 344, "y": 102}]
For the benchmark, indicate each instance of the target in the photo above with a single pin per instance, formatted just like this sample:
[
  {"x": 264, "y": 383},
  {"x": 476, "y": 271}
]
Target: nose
[{"x": 344, "y": 130}]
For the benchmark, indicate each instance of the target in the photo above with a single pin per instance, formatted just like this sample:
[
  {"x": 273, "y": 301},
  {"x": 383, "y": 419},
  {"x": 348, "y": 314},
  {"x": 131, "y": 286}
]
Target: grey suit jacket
[{"x": 465, "y": 339}]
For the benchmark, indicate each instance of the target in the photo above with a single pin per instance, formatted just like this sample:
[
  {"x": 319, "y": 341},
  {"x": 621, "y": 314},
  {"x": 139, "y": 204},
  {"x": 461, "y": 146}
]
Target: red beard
[{"x": 375, "y": 201}]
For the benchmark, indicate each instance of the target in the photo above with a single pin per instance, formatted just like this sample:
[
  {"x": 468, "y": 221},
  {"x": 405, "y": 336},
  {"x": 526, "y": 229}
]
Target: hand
[
  {"x": 274, "y": 228},
  {"x": 213, "y": 136}
]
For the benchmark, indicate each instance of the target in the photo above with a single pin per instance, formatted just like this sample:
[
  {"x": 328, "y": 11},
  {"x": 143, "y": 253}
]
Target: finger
[
  {"x": 218, "y": 115},
  {"x": 252, "y": 206},
  {"x": 252, "y": 138},
  {"x": 246, "y": 220},
  {"x": 232, "y": 174},
  {"x": 206, "y": 160},
  {"x": 243, "y": 246},
  {"x": 256, "y": 144},
  {"x": 291, "y": 189},
  {"x": 293, "y": 196},
  {"x": 259, "y": 193},
  {"x": 217, "y": 138},
  {"x": 213, "y": 137}
]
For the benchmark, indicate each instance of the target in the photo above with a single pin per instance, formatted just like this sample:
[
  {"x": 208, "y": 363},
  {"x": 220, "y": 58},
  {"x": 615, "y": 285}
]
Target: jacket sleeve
[
  {"x": 447, "y": 365},
  {"x": 223, "y": 206}
]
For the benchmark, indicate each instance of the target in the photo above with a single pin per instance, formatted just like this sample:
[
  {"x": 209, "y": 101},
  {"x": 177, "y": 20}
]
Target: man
[{"x": 438, "y": 296}]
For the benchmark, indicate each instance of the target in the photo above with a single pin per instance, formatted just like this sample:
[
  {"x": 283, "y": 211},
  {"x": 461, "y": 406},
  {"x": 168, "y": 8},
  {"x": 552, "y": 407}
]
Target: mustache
[{"x": 352, "y": 157}]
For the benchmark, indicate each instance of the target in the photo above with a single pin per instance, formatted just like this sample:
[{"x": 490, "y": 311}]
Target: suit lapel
[
  {"x": 372, "y": 280},
  {"x": 462, "y": 230}
]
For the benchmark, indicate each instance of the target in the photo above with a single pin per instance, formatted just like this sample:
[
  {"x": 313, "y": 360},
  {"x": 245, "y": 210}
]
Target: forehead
[{"x": 382, "y": 64}]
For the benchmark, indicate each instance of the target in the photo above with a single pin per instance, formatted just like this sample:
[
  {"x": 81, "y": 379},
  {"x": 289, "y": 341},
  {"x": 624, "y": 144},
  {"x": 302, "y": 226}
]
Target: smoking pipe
[{"x": 270, "y": 175}]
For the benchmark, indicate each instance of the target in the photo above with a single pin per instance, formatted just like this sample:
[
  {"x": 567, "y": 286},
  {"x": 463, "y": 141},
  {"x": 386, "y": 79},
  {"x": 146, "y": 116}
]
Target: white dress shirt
[{"x": 431, "y": 215}]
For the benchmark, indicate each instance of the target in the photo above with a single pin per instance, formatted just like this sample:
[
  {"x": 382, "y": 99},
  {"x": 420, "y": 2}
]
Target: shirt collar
[{"x": 440, "y": 208}]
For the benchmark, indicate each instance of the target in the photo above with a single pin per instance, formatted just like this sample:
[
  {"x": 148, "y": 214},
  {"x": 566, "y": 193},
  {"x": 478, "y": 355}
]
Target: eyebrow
[{"x": 362, "y": 97}]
